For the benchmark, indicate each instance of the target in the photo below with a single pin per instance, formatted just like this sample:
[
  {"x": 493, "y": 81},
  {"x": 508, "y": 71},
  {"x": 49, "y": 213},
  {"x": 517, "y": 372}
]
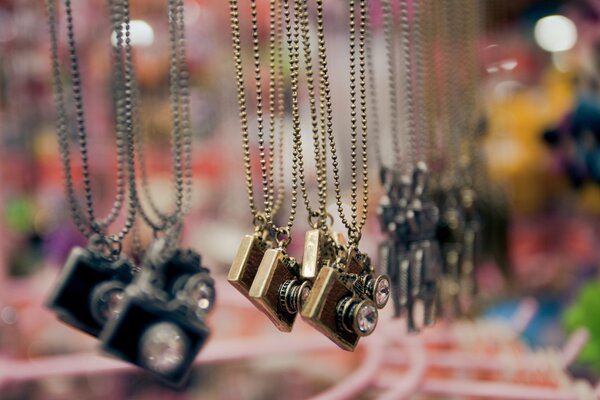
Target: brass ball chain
[
  {"x": 392, "y": 68},
  {"x": 411, "y": 83},
  {"x": 276, "y": 108},
  {"x": 276, "y": 97},
  {"x": 301, "y": 10},
  {"x": 354, "y": 226},
  {"x": 420, "y": 56},
  {"x": 241, "y": 95},
  {"x": 429, "y": 31},
  {"x": 324, "y": 114}
]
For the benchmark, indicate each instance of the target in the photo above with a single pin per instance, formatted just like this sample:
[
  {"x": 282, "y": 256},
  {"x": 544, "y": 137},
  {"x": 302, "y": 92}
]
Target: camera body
[
  {"x": 246, "y": 263},
  {"x": 161, "y": 326},
  {"x": 334, "y": 310},
  {"x": 278, "y": 290},
  {"x": 89, "y": 290}
]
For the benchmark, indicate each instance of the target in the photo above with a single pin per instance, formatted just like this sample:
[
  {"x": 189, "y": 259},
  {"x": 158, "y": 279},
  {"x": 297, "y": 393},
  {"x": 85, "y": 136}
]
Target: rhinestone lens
[
  {"x": 106, "y": 303},
  {"x": 366, "y": 319},
  {"x": 163, "y": 347},
  {"x": 382, "y": 292},
  {"x": 202, "y": 295},
  {"x": 304, "y": 295}
]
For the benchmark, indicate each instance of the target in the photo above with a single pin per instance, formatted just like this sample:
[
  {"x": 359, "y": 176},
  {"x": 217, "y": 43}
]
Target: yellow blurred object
[{"x": 516, "y": 154}]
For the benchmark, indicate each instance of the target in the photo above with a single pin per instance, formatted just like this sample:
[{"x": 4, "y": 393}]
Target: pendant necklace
[
  {"x": 410, "y": 254},
  {"x": 346, "y": 292},
  {"x": 459, "y": 228},
  {"x": 262, "y": 270},
  {"x": 90, "y": 287},
  {"x": 162, "y": 320}
]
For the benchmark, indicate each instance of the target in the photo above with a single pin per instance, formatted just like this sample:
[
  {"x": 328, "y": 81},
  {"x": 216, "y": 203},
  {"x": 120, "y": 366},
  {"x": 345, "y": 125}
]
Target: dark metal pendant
[
  {"x": 89, "y": 290},
  {"x": 161, "y": 326}
]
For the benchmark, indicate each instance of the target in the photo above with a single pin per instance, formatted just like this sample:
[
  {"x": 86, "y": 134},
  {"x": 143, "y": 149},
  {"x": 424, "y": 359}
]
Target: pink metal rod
[
  {"x": 14, "y": 371},
  {"x": 574, "y": 345},
  {"x": 412, "y": 380},
  {"x": 465, "y": 361},
  {"x": 521, "y": 319},
  {"x": 360, "y": 379},
  {"x": 489, "y": 390}
]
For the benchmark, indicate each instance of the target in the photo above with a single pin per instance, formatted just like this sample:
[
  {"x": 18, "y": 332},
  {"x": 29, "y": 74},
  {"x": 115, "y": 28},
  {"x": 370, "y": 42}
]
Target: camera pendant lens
[
  {"x": 366, "y": 318},
  {"x": 357, "y": 316},
  {"x": 106, "y": 300},
  {"x": 293, "y": 295},
  {"x": 163, "y": 347},
  {"x": 381, "y": 290}
]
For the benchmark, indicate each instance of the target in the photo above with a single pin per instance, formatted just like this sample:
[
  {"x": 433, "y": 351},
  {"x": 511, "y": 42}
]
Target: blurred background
[{"x": 540, "y": 89}]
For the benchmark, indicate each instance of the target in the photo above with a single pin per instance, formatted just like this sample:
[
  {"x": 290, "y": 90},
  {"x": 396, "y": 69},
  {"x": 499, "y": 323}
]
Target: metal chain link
[
  {"x": 353, "y": 226},
  {"x": 392, "y": 70},
  {"x": 259, "y": 110},
  {"x": 372, "y": 90},
  {"x": 407, "y": 32},
  {"x": 276, "y": 109},
  {"x": 421, "y": 57},
  {"x": 452, "y": 97},
  {"x": 89, "y": 225},
  {"x": 181, "y": 132},
  {"x": 241, "y": 97},
  {"x": 430, "y": 69},
  {"x": 267, "y": 177},
  {"x": 129, "y": 142},
  {"x": 61, "y": 124},
  {"x": 325, "y": 107},
  {"x": 301, "y": 9},
  {"x": 292, "y": 38}
]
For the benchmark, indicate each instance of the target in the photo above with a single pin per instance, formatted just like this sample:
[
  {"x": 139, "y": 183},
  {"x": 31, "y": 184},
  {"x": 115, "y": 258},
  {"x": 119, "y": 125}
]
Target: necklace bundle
[
  {"x": 154, "y": 318},
  {"x": 410, "y": 254},
  {"x": 335, "y": 288},
  {"x": 459, "y": 230}
]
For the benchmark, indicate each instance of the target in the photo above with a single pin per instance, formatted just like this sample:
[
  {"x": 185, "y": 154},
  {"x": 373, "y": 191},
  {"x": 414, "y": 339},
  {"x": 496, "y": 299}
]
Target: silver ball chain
[{"x": 89, "y": 225}]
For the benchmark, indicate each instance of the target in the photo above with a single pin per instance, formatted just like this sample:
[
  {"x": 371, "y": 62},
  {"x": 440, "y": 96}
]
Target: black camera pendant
[
  {"x": 161, "y": 326},
  {"x": 91, "y": 285}
]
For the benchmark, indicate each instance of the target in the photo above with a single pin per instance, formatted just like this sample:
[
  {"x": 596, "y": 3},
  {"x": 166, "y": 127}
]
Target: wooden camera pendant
[
  {"x": 277, "y": 290},
  {"x": 314, "y": 242},
  {"x": 334, "y": 310},
  {"x": 357, "y": 262},
  {"x": 89, "y": 290},
  {"x": 320, "y": 250},
  {"x": 246, "y": 262}
]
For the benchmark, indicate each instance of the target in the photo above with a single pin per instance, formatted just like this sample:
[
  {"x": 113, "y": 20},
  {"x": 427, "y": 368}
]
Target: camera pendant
[
  {"x": 90, "y": 289},
  {"x": 277, "y": 290},
  {"x": 246, "y": 262},
  {"x": 161, "y": 327},
  {"x": 334, "y": 310}
]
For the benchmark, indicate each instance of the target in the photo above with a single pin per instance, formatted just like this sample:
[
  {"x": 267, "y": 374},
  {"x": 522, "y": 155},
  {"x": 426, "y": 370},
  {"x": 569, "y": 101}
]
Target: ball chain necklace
[
  {"x": 157, "y": 321},
  {"x": 344, "y": 282},
  {"x": 93, "y": 280},
  {"x": 410, "y": 254},
  {"x": 334, "y": 288},
  {"x": 460, "y": 224},
  {"x": 262, "y": 270}
]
